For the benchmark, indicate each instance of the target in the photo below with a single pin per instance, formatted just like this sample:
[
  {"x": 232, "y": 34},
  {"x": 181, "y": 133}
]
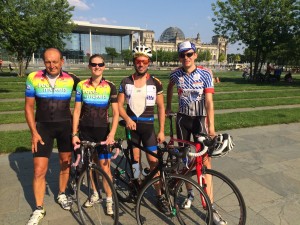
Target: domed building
[{"x": 172, "y": 36}]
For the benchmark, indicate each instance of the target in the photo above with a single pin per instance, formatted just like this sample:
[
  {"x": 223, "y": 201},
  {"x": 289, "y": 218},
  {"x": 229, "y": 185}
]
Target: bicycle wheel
[
  {"x": 124, "y": 187},
  {"x": 227, "y": 199},
  {"x": 96, "y": 213},
  {"x": 175, "y": 193}
]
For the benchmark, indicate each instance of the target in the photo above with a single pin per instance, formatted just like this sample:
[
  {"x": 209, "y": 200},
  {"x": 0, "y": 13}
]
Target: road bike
[
  {"x": 91, "y": 179},
  {"x": 225, "y": 196},
  {"x": 143, "y": 193}
]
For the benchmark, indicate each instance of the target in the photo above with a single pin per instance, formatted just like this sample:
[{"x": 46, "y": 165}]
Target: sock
[
  {"x": 39, "y": 207},
  {"x": 191, "y": 193}
]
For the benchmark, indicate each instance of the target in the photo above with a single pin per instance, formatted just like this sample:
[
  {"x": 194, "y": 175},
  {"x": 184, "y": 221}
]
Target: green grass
[
  {"x": 232, "y": 92},
  {"x": 16, "y": 141}
]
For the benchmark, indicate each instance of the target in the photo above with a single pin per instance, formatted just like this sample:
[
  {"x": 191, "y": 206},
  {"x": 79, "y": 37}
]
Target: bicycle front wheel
[
  {"x": 175, "y": 195},
  {"x": 226, "y": 198},
  {"x": 93, "y": 206}
]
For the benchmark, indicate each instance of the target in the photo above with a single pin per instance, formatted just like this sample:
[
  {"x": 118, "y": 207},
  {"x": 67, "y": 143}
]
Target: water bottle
[
  {"x": 136, "y": 170},
  {"x": 145, "y": 173}
]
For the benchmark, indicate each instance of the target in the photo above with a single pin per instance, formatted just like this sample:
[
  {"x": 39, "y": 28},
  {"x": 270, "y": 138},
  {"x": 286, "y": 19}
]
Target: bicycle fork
[{"x": 164, "y": 183}]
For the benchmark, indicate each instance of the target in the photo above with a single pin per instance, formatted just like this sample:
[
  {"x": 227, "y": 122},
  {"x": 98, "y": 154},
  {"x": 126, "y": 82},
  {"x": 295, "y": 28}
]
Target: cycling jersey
[
  {"x": 52, "y": 103},
  {"x": 95, "y": 102},
  {"x": 192, "y": 89},
  {"x": 154, "y": 88}
]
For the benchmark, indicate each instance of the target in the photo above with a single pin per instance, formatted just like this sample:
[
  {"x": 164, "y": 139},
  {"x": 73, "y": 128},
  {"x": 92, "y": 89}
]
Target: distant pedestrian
[
  {"x": 10, "y": 67},
  {"x": 1, "y": 63}
]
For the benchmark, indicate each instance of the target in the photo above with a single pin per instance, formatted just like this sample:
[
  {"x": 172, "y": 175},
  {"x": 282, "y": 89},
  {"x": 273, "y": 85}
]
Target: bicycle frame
[
  {"x": 128, "y": 153},
  {"x": 195, "y": 162}
]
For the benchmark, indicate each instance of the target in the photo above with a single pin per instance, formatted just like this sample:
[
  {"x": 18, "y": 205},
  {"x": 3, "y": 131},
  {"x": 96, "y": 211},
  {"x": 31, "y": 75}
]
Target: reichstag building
[{"x": 88, "y": 39}]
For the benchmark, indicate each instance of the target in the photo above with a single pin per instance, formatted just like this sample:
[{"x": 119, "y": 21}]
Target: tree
[
  {"x": 27, "y": 26},
  {"x": 237, "y": 58},
  {"x": 126, "y": 55},
  {"x": 112, "y": 53},
  {"x": 222, "y": 57},
  {"x": 260, "y": 24},
  {"x": 204, "y": 56}
]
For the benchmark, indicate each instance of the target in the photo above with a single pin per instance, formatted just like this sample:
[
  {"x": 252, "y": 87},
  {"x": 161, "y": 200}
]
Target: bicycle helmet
[
  {"x": 141, "y": 50},
  {"x": 223, "y": 144}
]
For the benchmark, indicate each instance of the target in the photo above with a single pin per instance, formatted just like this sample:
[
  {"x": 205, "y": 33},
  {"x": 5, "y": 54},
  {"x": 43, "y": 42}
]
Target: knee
[
  {"x": 40, "y": 172},
  {"x": 153, "y": 164},
  {"x": 65, "y": 161}
]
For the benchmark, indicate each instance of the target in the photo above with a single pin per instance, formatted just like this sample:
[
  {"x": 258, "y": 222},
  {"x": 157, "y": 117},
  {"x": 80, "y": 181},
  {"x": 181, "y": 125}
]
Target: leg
[
  {"x": 105, "y": 165},
  {"x": 39, "y": 179},
  {"x": 64, "y": 162}
]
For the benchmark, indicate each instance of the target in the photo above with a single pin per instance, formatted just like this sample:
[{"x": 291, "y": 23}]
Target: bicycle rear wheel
[
  {"x": 96, "y": 213},
  {"x": 175, "y": 194},
  {"x": 227, "y": 199}
]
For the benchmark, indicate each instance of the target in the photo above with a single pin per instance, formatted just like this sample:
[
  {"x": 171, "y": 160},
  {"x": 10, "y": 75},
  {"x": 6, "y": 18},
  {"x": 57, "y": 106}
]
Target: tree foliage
[
  {"x": 261, "y": 25},
  {"x": 204, "y": 56},
  {"x": 112, "y": 53},
  {"x": 29, "y": 25},
  {"x": 126, "y": 55}
]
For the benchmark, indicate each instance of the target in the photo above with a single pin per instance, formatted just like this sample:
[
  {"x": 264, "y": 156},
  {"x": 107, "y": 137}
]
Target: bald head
[
  {"x": 52, "y": 50},
  {"x": 53, "y": 61}
]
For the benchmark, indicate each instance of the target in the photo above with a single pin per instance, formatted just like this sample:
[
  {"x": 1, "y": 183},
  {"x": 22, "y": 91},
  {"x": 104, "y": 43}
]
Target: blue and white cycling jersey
[{"x": 192, "y": 89}]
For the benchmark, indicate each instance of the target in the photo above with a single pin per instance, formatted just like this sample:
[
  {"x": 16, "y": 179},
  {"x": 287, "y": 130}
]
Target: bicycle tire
[
  {"x": 148, "y": 213},
  {"x": 122, "y": 180},
  {"x": 97, "y": 213},
  {"x": 227, "y": 198}
]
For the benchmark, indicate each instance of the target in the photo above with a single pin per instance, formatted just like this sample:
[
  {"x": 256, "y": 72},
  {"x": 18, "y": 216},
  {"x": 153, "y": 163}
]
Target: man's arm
[
  {"x": 76, "y": 116},
  {"x": 169, "y": 97},
  {"x": 29, "y": 115},
  {"x": 209, "y": 104},
  {"x": 161, "y": 117},
  {"x": 129, "y": 123}
]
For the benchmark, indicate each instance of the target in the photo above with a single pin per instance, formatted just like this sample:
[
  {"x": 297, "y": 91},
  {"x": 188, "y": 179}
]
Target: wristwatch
[{"x": 75, "y": 135}]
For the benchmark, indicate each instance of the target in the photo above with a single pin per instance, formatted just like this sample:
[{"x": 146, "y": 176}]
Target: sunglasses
[
  {"x": 97, "y": 64},
  {"x": 144, "y": 61},
  {"x": 189, "y": 54}
]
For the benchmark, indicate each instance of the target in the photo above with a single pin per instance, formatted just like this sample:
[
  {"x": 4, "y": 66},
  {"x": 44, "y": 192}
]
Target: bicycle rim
[
  {"x": 147, "y": 211},
  {"x": 96, "y": 213},
  {"x": 227, "y": 199}
]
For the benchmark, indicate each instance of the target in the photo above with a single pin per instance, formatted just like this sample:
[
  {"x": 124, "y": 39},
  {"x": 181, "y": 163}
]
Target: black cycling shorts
[
  {"x": 144, "y": 134},
  {"x": 190, "y": 125},
  {"x": 61, "y": 131},
  {"x": 96, "y": 134}
]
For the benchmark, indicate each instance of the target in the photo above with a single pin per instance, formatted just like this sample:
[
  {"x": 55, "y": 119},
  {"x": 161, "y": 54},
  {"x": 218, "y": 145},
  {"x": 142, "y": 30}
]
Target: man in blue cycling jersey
[{"x": 195, "y": 115}]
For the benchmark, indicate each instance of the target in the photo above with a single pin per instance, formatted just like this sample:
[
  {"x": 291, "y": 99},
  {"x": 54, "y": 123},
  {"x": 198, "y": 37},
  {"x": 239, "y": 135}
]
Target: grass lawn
[{"x": 232, "y": 92}]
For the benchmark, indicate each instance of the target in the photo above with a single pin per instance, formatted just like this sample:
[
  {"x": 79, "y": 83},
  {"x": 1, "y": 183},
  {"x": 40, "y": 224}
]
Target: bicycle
[
  {"x": 226, "y": 198},
  {"x": 142, "y": 191},
  {"x": 91, "y": 178}
]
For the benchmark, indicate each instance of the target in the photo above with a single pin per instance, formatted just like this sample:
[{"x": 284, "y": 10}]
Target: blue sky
[{"x": 192, "y": 16}]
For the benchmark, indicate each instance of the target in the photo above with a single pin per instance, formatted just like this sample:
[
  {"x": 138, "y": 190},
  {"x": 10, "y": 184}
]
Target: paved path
[{"x": 265, "y": 165}]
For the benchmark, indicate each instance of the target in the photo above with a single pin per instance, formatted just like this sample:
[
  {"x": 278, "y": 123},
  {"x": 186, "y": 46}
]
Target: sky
[{"x": 192, "y": 16}]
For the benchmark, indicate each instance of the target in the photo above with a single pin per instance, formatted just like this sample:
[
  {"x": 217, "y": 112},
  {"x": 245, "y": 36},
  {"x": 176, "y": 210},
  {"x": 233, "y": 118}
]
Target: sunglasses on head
[
  {"x": 97, "y": 64},
  {"x": 189, "y": 54},
  {"x": 144, "y": 61}
]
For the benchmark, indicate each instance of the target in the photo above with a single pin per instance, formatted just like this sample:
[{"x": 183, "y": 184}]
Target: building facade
[{"x": 172, "y": 36}]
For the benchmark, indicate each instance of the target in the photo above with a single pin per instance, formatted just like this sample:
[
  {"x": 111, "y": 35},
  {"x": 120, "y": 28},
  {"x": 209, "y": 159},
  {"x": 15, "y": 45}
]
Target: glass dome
[{"x": 169, "y": 35}]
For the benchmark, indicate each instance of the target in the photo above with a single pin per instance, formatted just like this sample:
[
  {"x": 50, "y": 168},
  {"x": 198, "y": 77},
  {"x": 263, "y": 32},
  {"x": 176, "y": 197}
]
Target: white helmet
[
  {"x": 141, "y": 50},
  {"x": 223, "y": 144}
]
